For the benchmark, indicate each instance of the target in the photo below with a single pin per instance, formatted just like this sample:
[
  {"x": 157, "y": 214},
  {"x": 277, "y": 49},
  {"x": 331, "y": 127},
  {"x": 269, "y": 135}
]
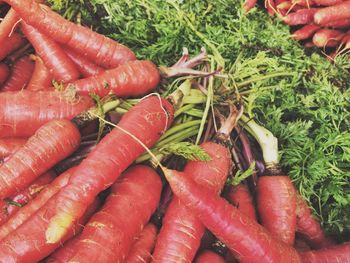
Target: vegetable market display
[{"x": 115, "y": 148}]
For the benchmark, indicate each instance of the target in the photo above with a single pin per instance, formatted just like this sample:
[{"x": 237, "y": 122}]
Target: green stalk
[
  {"x": 183, "y": 109},
  {"x": 180, "y": 127},
  {"x": 195, "y": 113},
  {"x": 267, "y": 76},
  {"x": 177, "y": 135}
]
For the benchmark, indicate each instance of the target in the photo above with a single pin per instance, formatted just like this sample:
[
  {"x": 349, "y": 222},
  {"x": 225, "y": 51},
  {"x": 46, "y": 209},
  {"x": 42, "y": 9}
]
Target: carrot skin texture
[
  {"x": 334, "y": 254},
  {"x": 55, "y": 59},
  {"x": 305, "y": 32},
  {"x": 41, "y": 78},
  {"x": 250, "y": 240},
  {"x": 300, "y": 17},
  {"x": 132, "y": 79},
  {"x": 24, "y": 196},
  {"x": 241, "y": 198},
  {"x": 332, "y": 13},
  {"x": 276, "y": 204},
  {"x": 7, "y": 24},
  {"x": 309, "y": 227},
  {"x": 208, "y": 256},
  {"x": 21, "y": 73},
  {"x": 9, "y": 145},
  {"x": 52, "y": 143},
  {"x": 328, "y": 2},
  {"x": 98, "y": 48},
  {"x": 10, "y": 44},
  {"x": 141, "y": 250},
  {"x": 181, "y": 232},
  {"x": 85, "y": 66},
  {"x": 4, "y": 73},
  {"x": 133, "y": 200},
  {"x": 23, "y": 214},
  {"x": 22, "y": 113},
  {"x": 327, "y": 37},
  {"x": 147, "y": 121}
]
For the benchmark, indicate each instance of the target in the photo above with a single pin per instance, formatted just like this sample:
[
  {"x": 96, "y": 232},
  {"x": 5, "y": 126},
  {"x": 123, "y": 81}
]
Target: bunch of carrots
[
  {"x": 317, "y": 23},
  {"x": 104, "y": 207}
]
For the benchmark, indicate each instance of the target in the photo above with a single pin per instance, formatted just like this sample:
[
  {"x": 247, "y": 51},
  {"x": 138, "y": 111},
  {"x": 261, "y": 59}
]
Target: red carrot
[
  {"x": 309, "y": 227},
  {"x": 22, "y": 113},
  {"x": 27, "y": 211},
  {"x": 12, "y": 204},
  {"x": 327, "y": 38},
  {"x": 50, "y": 144},
  {"x": 9, "y": 145},
  {"x": 145, "y": 121},
  {"x": 85, "y": 66},
  {"x": 248, "y": 5},
  {"x": 343, "y": 23},
  {"x": 305, "y": 32},
  {"x": 132, "y": 79},
  {"x": 304, "y": 3},
  {"x": 131, "y": 203},
  {"x": 208, "y": 256},
  {"x": 21, "y": 73},
  {"x": 98, "y": 48},
  {"x": 10, "y": 44},
  {"x": 4, "y": 73},
  {"x": 55, "y": 59},
  {"x": 8, "y": 24},
  {"x": 270, "y": 6},
  {"x": 332, "y": 13},
  {"x": 300, "y": 17},
  {"x": 335, "y": 254},
  {"x": 246, "y": 238},
  {"x": 328, "y": 2},
  {"x": 181, "y": 232},
  {"x": 241, "y": 198},
  {"x": 41, "y": 78},
  {"x": 301, "y": 245},
  {"x": 141, "y": 250}
]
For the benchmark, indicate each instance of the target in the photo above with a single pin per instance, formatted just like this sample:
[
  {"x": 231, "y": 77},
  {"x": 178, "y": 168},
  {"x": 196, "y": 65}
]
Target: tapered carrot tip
[{"x": 58, "y": 227}]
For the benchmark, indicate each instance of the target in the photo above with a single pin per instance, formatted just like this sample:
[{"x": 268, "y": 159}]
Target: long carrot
[
  {"x": 12, "y": 204},
  {"x": 98, "y": 48},
  {"x": 27, "y": 211},
  {"x": 10, "y": 44},
  {"x": 208, "y": 256},
  {"x": 141, "y": 250},
  {"x": 133, "y": 200},
  {"x": 41, "y": 78},
  {"x": 300, "y": 17},
  {"x": 309, "y": 227},
  {"x": 134, "y": 78},
  {"x": 146, "y": 121},
  {"x": 9, "y": 145},
  {"x": 332, "y": 13},
  {"x": 181, "y": 232},
  {"x": 85, "y": 66},
  {"x": 22, "y": 113},
  {"x": 8, "y": 24},
  {"x": 55, "y": 59},
  {"x": 335, "y": 254},
  {"x": 4, "y": 73},
  {"x": 21, "y": 73},
  {"x": 247, "y": 239},
  {"x": 51, "y": 143}
]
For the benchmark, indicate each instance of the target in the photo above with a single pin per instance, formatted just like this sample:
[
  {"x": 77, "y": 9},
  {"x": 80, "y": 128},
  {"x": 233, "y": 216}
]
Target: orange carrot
[
  {"x": 327, "y": 38},
  {"x": 332, "y": 13},
  {"x": 305, "y": 32},
  {"x": 300, "y": 17}
]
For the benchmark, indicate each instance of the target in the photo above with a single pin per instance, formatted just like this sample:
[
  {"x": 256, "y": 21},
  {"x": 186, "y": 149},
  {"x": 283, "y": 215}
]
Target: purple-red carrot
[
  {"x": 41, "y": 78},
  {"x": 96, "y": 47},
  {"x": 21, "y": 73},
  {"x": 55, "y": 59},
  {"x": 23, "y": 112}
]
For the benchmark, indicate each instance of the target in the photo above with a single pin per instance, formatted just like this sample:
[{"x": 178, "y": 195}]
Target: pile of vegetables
[{"x": 98, "y": 111}]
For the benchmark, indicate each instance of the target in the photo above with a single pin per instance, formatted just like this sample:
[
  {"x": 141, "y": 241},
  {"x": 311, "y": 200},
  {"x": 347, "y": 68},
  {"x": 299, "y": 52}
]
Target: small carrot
[
  {"x": 41, "y": 78},
  {"x": 55, "y": 59},
  {"x": 208, "y": 256},
  {"x": 14, "y": 203},
  {"x": 327, "y": 38},
  {"x": 4, "y": 73},
  {"x": 21, "y": 73},
  {"x": 334, "y": 254},
  {"x": 10, "y": 44},
  {"x": 85, "y": 66},
  {"x": 300, "y": 17},
  {"x": 141, "y": 250},
  {"x": 305, "y": 32},
  {"x": 98, "y": 48},
  {"x": 23, "y": 112},
  {"x": 250, "y": 240},
  {"x": 332, "y": 13},
  {"x": 132, "y": 79}
]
